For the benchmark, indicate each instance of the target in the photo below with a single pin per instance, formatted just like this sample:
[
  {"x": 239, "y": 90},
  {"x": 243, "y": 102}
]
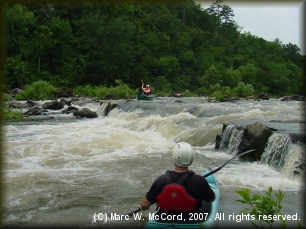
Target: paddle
[
  {"x": 207, "y": 174},
  {"x": 133, "y": 212},
  {"x": 220, "y": 167}
]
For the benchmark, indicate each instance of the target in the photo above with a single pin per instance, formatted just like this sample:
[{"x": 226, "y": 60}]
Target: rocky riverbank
[{"x": 68, "y": 104}]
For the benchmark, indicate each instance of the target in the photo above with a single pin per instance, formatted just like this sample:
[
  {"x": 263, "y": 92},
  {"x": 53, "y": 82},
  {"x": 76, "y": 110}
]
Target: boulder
[
  {"x": 229, "y": 99},
  {"x": 243, "y": 135},
  {"x": 87, "y": 113},
  {"x": 65, "y": 102},
  {"x": 54, "y": 105},
  {"x": 35, "y": 111},
  {"x": 255, "y": 135},
  {"x": 175, "y": 94},
  {"x": 15, "y": 91},
  {"x": 29, "y": 103},
  {"x": 108, "y": 106},
  {"x": 73, "y": 99},
  {"x": 263, "y": 96},
  {"x": 81, "y": 101},
  {"x": 293, "y": 98},
  {"x": 70, "y": 110}
]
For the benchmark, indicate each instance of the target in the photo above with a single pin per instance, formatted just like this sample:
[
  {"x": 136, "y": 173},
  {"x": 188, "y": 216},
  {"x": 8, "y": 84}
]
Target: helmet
[
  {"x": 147, "y": 85},
  {"x": 182, "y": 154}
]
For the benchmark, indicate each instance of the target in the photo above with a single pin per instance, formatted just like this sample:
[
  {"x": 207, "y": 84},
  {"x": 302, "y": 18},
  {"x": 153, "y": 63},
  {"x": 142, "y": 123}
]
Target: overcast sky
[{"x": 268, "y": 19}]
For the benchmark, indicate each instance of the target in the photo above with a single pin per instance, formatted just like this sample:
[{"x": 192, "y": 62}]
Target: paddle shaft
[
  {"x": 220, "y": 167},
  {"x": 133, "y": 212},
  {"x": 206, "y": 175}
]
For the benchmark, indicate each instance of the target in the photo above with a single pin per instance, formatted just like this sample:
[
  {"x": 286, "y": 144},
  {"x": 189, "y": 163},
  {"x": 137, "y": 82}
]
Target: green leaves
[
  {"x": 121, "y": 90},
  {"x": 40, "y": 90},
  {"x": 265, "y": 208},
  {"x": 245, "y": 194}
]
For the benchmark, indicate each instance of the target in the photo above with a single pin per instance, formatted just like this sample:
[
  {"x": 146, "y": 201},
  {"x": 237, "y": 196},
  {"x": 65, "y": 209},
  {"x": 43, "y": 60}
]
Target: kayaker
[
  {"x": 146, "y": 90},
  {"x": 174, "y": 198}
]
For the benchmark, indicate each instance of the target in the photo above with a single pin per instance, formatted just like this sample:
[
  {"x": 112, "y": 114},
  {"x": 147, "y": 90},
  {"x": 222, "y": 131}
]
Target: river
[{"x": 66, "y": 170}]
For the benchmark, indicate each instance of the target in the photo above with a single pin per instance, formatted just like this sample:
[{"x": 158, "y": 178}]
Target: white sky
[{"x": 268, "y": 19}]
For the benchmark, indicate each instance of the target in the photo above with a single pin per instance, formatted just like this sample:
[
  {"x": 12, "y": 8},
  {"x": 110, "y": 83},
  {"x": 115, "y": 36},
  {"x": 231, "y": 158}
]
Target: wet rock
[
  {"x": 15, "y": 91},
  {"x": 175, "y": 94},
  {"x": 81, "y": 101},
  {"x": 293, "y": 98},
  {"x": 108, "y": 106},
  {"x": 65, "y": 102},
  {"x": 255, "y": 134},
  {"x": 263, "y": 96},
  {"x": 35, "y": 111},
  {"x": 250, "y": 98},
  {"x": 70, "y": 110},
  {"x": 230, "y": 99},
  {"x": 54, "y": 105},
  {"x": 218, "y": 141},
  {"x": 75, "y": 99},
  {"x": 29, "y": 103},
  {"x": 87, "y": 113}
]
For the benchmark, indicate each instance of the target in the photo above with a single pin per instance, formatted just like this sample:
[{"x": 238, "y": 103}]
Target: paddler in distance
[{"x": 146, "y": 90}]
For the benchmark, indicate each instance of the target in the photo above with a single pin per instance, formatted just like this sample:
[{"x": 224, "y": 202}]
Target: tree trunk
[{"x": 39, "y": 64}]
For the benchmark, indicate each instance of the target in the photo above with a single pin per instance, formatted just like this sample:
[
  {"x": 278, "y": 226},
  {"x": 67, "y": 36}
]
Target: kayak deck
[{"x": 208, "y": 214}]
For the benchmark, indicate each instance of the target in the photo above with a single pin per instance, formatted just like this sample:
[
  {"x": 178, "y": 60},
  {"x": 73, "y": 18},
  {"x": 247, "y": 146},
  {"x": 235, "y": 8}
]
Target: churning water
[{"x": 63, "y": 171}]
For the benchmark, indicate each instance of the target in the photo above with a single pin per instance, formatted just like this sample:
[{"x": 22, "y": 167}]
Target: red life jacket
[
  {"x": 146, "y": 91},
  {"x": 175, "y": 197}
]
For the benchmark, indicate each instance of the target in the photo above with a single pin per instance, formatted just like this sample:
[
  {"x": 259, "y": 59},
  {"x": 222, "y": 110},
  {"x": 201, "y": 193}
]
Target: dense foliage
[
  {"x": 122, "y": 91},
  {"x": 265, "y": 209},
  {"x": 176, "y": 46},
  {"x": 39, "y": 90}
]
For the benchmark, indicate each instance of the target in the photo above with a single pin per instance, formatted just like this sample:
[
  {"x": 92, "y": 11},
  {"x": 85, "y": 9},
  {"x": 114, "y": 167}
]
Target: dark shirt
[{"x": 196, "y": 186}]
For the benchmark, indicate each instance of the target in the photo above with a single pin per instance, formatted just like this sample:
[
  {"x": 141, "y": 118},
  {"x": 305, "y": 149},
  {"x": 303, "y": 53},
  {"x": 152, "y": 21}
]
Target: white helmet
[{"x": 182, "y": 154}]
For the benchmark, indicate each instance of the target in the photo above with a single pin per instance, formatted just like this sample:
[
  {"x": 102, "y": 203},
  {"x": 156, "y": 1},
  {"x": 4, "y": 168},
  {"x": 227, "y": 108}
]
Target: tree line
[{"x": 173, "y": 46}]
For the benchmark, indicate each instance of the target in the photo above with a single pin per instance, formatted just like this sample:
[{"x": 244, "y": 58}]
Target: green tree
[
  {"x": 161, "y": 84},
  {"x": 41, "y": 45},
  {"x": 231, "y": 77},
  {"x": 169, "y": 66},
  {"x": 211, "y": 76},
  {"x": 20, "y": 23},
  {"x": 18, "y": 71},
  {"x": 248, "y": 73},
  {"x": 243, "y": 90},
  {"x": 61, "y": 56},
  {"x": 292, "y": 52}
]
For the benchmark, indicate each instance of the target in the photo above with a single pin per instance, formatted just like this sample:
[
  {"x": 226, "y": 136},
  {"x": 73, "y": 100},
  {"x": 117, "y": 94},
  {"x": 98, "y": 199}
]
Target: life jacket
[
  {"x": 174, "y": 196},
  {"x": 146, "y": 91}
]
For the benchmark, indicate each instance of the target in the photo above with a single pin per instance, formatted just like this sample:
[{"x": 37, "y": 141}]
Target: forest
[{"x": 171, "y": 45}]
